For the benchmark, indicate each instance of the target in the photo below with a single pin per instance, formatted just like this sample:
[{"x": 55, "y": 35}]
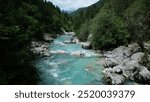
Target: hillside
[
  {"x": 86, "y": 9},
  {"x": 120, "y": 24},
  {"x": 21, "y": 22},
  {"x": 113, "y": 23},
  {"x": 84, "y": 15}
]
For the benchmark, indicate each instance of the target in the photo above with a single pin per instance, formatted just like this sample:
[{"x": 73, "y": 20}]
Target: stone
[
  {"x": 142, "y": 75},
  {"x": 110, "y": 62},
  {"x": 86, "y": 45},
  {"x": 137, "y": 57},
  {"x": 145, "y": 73},
  {"x": 48, "y": 37},
  {"x": 114, "y": 79},
  {"x": 77, "y": 53},
  {"x": 134, "y": 48},
  {"x": 59, "y": 52},
  {"x": 40, "y": 48},
  {"x": 130, "y": 69},
  {"x": 67, "y": 42},
  {"x": 118, "y": 69}
]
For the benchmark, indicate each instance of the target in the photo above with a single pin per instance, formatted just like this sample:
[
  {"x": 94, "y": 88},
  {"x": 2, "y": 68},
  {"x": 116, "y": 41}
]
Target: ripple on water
[{"x": 69, "y": 69}]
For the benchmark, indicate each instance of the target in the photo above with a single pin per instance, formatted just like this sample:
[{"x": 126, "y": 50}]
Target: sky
[{"x": 69, "y": 5}]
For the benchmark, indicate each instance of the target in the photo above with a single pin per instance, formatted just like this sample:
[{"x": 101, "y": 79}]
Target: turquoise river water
[{"x": 65, "y": 66}]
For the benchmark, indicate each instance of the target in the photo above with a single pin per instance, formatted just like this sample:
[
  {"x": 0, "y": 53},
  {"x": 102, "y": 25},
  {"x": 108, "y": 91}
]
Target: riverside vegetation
[
  {"x": 114, "y": 23},
  {"x": 23, "y": 21},
  {"x": 104, "y": 25}
]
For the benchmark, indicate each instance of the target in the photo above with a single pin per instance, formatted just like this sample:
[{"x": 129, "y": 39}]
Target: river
[{"x": 66, "y": 67}]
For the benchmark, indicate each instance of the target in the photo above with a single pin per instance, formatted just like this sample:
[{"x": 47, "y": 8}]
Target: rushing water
[{"x": 66, "y": 66}]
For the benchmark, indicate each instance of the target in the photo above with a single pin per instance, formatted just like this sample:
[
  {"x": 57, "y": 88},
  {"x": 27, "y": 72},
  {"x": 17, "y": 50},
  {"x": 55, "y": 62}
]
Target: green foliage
[
  {"x": 114, "y": 23},
  {"x": 83, "y": 16},
  {"x": 137, "y": 16},
  {"x": 22, "y": 21},
  {"x": 108, "y": 30},
  {"x": 84, "y": 31}
]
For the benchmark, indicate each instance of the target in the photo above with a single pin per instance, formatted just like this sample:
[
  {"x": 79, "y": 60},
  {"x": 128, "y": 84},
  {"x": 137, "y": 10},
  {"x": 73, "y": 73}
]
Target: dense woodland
[
  {"x": 22, "y": 21},
  {"x": 111, "y": 22},
  {"x": 114, "y": 22}
]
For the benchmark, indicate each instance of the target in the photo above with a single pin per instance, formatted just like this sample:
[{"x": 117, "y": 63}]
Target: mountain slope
[{"x": 113, "y": 23}]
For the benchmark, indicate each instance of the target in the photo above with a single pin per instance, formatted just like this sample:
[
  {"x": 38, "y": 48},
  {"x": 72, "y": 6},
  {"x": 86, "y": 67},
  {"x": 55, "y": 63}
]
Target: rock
[
  {"x": 130, "y": 69},
  {"x": 147, "y": 47},
  {"x": 127, "y": 62},
  {"x": 75, "y": 40},
  {"x": 117, "y": 54},
  {"x": 86, "y": 45},
  {"x": 134, "y": 48},
  {"x": 67, "y": 42},
  {"x": 114, "y": 79},
  {"x": 142, "y": 75},
  {"x": 118, "y": 69},
  {"x": 114, "y": 75},
  {"x": 77, "y": 53},
  {"x": 48, "y": 37},
  {"x": 40, "y": 48},
  {"x": 131, "y": 65},
  {"x": 107, "y": 71},
  {"x": 59, "y": 52},
  {"x": 89, "y": 37},
  {"x": 110, "y": 62},
  {"x": 69, "y": 33},
  {"x": 137, "y": 57},
  {"x": 145, "y": 73},
  {"x": 46, "y": 54}
]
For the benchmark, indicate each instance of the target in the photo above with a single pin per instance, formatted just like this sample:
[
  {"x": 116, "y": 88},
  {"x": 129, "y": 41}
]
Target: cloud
[{"x": 72, "y": 4}]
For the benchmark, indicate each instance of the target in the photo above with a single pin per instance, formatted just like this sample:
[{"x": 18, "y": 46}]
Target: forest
[
  {"x": 111, "y": 23},
  {"x": 22, "y": 21},
  {"x": 114, "y": 23}
]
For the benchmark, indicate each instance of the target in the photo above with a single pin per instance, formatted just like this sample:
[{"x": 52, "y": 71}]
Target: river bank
[
  {"x": 121, "y": 65},
  {"x": 69, "y": 63},
  {"x": 126, "y": 63}
]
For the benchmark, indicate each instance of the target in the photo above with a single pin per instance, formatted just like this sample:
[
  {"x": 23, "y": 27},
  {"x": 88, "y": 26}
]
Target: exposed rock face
[
  {"x": 40, "y": 48},
  {"x": 137, "y": 56},
  {"x": 125, "y": 63}
]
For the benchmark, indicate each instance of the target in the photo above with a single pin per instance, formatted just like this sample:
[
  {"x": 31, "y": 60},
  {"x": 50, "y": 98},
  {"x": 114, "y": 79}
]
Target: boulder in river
[
  {"x": 59, "y": 52},
  {"x": 77, "y": 53},
  {"x": 86, "y": 45},
  {"x": 67, "y": 42}
]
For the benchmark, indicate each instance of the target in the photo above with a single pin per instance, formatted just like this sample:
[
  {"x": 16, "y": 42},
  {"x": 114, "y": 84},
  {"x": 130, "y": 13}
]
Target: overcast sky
[{"x": 69, "y": 5}]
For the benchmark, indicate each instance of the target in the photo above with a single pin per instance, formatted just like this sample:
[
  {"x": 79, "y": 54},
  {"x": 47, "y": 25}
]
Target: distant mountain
[
  {"x": 86, "y": 14},
  {"x": 94, "y": 6},
  {"x": 70, "y": 11}
]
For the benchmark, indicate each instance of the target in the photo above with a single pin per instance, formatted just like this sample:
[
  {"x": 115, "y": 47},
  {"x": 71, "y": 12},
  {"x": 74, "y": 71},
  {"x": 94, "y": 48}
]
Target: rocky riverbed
[
  {"x": 42, "y": 47},
  {"x": 120, "y": 65},
  {"x": 125, "y": 63}
]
